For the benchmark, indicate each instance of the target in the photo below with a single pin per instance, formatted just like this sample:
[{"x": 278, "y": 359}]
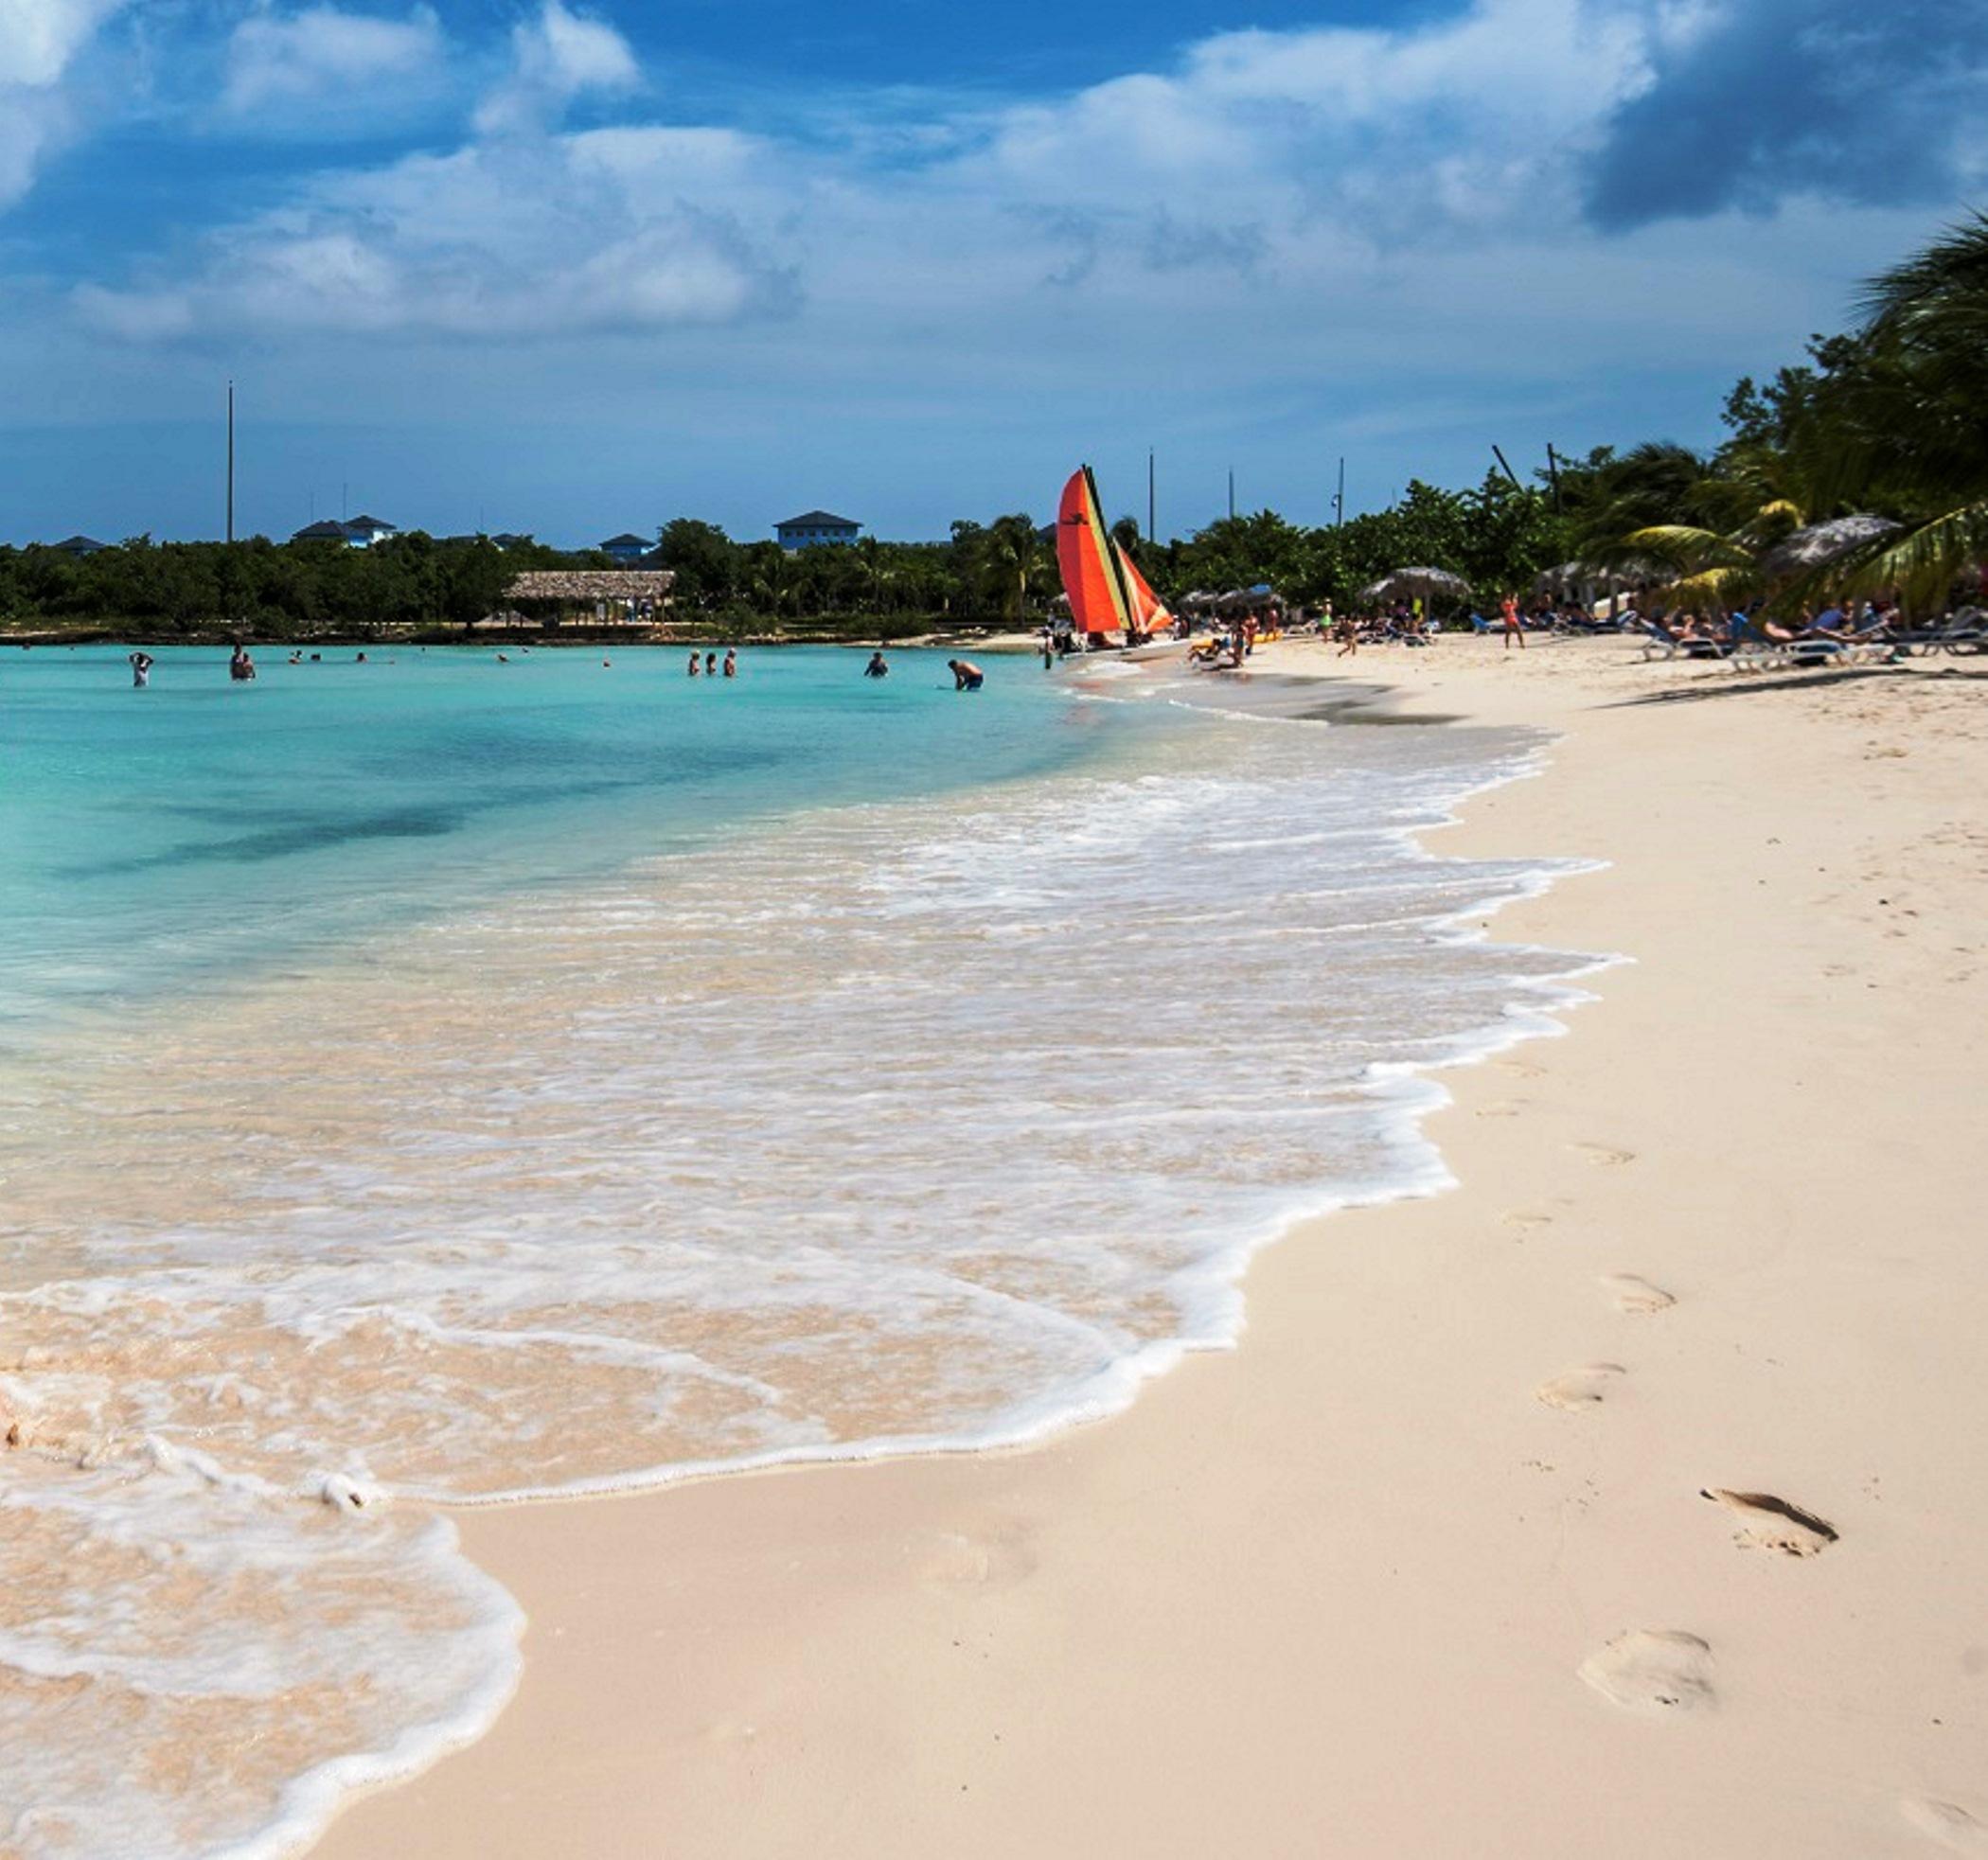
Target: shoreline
[{"x": 797, "y": 1654}]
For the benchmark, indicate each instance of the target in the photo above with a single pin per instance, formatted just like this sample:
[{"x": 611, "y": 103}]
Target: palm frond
[
  {"x": 1924, "y": 564},
  {"x": 1685, "y": 547}
]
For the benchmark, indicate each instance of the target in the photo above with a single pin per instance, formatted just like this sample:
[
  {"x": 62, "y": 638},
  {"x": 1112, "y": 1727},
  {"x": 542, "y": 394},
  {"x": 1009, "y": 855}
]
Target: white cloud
[
  {"x": 1334, "y": 217},
  {"x": 600, "y": 230},
  {"x": 285, "y": 59},
  {"x": 556, "y": 57},
  {"x": 39, "y": 40}
]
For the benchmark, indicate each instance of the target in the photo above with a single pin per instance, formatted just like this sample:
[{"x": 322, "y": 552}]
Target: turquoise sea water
[
  {"x": 153, "y": 840},
  {"x": 436, "y": 1081}
]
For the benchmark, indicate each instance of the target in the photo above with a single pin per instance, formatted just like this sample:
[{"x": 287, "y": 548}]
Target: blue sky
[{"x": 579, "y": 269}]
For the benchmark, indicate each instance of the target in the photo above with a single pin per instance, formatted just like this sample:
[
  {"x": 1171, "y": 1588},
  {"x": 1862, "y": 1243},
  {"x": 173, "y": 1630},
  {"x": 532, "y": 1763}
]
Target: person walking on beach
[
  {"x": 731, "y": 665},
  {"x": 966, "y": 675},
  {"x": 141, "y": 664},
  {"x": 1515, "y": 624},
  {"x": 696, "y": 665},
  {"x": 878, "y": 666},
  {"x": 1348, "y": 637}
]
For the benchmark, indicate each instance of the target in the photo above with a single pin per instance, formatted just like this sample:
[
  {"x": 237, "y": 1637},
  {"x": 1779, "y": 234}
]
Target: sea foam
[{"x": 881, "y": 1128}]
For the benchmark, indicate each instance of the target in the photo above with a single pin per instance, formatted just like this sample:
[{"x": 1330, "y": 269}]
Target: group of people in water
[{"x": 966, "y": 675}]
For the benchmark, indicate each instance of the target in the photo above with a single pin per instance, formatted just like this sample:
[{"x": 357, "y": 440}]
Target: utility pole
[
  {"x": 231, "y": 461},
  {"x": 1509, "y": 472},
  {"x": 1553, "y": 471},
  {"x": 1152, "y": 530},
  {"x": 1231, "y": 493},
  {"x": 1339, "y": 497}
]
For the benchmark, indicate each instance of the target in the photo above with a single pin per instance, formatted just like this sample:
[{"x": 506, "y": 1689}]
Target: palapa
[
  {"x": 1822, "y": 543},
  {"x": 1411, "y": 581},
  {"x": 591, "y": 584}
]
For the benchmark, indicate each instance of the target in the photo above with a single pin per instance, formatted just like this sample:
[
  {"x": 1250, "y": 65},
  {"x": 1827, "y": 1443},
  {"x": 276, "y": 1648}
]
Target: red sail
[
  {"x": 1091, "y": 576},
  {"x": 1149, "y": 612}
]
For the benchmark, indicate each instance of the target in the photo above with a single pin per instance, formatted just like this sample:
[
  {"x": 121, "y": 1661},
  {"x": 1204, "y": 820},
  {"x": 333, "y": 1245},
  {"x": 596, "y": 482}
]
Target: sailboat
[{"x": 1107, "y": 593}]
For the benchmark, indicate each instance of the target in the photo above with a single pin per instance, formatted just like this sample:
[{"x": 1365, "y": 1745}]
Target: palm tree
[
  {"x": 1907, "y": 426},
  {"x": 1013, "y": 558},
  {"x": 876, "y": 569}
]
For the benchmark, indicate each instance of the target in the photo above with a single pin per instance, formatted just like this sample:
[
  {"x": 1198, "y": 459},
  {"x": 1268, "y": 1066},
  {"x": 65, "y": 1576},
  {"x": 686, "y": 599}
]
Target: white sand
[{"x": 1424, "y": 1568}]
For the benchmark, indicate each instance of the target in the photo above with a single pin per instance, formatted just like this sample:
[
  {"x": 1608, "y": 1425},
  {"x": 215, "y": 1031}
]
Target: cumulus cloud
[
  {"x": 39, "y": 40},
  {"x": 1404, "y": 178},
  {"x": 276, "y": 58},
  {"x": 1753, "y": 100},
  {"x": 556, "y": 57},
  {"x": 594, "y": 232}
]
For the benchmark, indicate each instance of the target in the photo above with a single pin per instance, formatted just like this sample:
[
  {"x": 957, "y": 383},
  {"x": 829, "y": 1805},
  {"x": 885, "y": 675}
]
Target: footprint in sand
[
  {"x": 1953, "y": 1828},
  {"x": 1653, "y": 1671},
  {"x": 1605, "y": 1154},
  {"x": 1585, "y": 1387},
  {"x": 1770, "y": 1523},
  {"x": 993, "y": 1560},
  {"x": 1634, "y": 1294}
]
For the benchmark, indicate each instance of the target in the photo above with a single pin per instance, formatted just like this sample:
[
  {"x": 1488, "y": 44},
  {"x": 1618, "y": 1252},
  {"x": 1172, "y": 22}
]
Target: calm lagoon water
[{"x": 153, "y": 840}]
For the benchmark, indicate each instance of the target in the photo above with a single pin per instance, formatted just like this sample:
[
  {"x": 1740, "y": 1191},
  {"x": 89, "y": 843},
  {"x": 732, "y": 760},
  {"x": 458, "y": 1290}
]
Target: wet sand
[{"x": 1628, "y": 1499}]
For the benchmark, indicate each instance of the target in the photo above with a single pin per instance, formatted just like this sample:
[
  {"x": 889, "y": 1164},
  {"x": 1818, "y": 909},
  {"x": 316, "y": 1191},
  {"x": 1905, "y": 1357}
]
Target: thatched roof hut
[
  {"x": 569, "y": 586},
  {"x": 1409, "y": 581},
  {"x": 1822, "y": 543}
]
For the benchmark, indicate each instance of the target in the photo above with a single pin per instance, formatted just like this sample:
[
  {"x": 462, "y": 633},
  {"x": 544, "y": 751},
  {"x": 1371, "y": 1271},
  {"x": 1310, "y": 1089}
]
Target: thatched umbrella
[
  {"x": 1822, "y": 543},
  {"x": 1413, "y": 581}
]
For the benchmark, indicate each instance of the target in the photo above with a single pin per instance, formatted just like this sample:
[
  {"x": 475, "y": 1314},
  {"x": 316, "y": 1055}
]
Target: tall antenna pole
[
  {"x": 231, "y": 461},
  {"x": 1152, "y": 525},
  {"x": 1339, "y": 497},
  {"x": 1231, "y": 493}
]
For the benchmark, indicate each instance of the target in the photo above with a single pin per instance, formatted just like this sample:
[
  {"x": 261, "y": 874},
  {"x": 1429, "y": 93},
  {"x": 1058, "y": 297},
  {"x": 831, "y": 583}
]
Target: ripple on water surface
[{"x": 884, "y": 1125}]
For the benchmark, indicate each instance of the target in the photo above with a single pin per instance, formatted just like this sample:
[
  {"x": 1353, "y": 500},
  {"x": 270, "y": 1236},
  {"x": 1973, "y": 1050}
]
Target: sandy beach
[{"x": 1427, "y": 1565}]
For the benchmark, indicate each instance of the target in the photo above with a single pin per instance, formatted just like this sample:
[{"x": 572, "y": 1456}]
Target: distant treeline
[{"x": 1001, "y": 573}]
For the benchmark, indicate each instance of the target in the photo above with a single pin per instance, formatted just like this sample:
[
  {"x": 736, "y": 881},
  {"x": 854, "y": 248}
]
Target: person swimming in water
[
  {"x": 141, "y": 664},
  {"x": 966, "y": 675},
  {"x": 879, "y": 665}
]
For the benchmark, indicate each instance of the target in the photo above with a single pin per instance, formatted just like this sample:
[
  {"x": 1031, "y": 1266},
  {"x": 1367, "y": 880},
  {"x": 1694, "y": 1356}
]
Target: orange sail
[
  {"x": 1094, "y": 574},
  {"x": 1149, "y": 612}
]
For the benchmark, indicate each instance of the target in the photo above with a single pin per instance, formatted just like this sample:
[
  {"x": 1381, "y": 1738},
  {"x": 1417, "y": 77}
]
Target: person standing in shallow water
[
  {"x": 241, "y": 668},
  {"x": 141, "y": 664},
  {"x": 879, "y": 665},
  {"x": 710, "y": 665},
  {"x": 966, "y": 675},
  {"x": 730, "y": 664},
  {"x": 694, "y": 667}
]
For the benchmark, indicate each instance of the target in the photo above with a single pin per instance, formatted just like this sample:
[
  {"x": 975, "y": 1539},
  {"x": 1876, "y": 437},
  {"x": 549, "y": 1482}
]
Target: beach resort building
[
  {"x": 361, "y": 533},
  {"x": 627, "y": 547},
  {"x": 816, "y": 527},
  {"x": 79, "y": 545}
]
